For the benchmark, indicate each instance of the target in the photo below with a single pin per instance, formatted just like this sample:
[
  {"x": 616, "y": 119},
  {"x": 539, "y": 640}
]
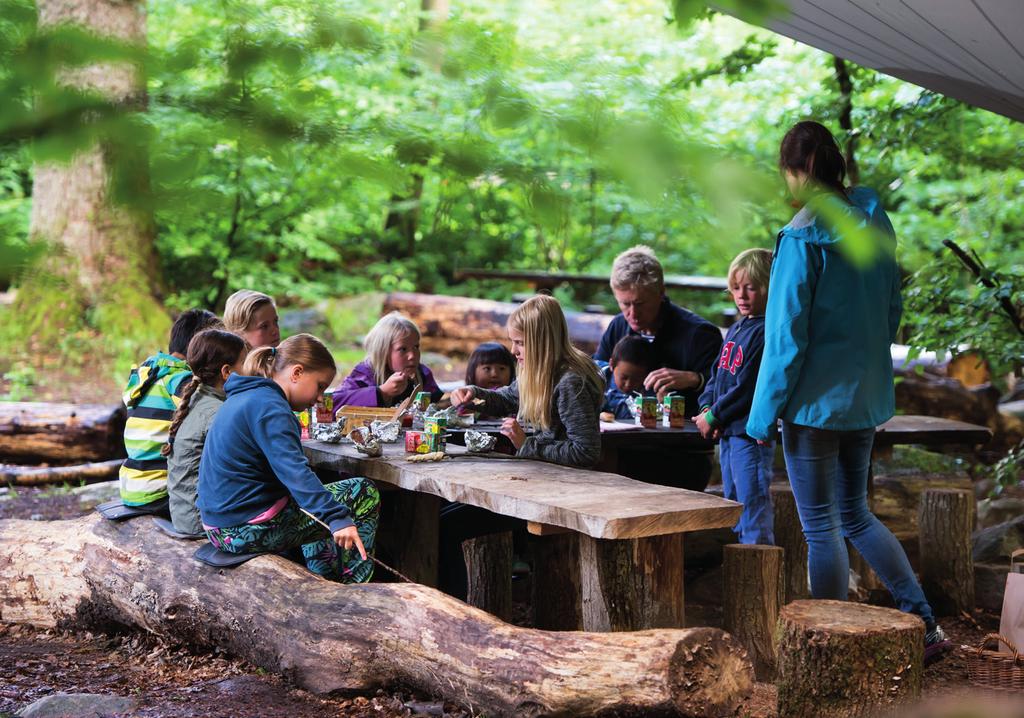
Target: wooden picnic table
[{"x": 613, "y": 547}]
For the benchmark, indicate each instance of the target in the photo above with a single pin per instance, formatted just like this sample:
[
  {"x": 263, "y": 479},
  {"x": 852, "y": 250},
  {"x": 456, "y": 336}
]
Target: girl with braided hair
[{"x": 213, "y": 356}]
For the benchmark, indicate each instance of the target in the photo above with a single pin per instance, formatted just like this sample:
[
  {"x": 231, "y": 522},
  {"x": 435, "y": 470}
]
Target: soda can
[
  {"x": 674, "y": 411},
  {"x": 435, "y": 425},
  {"x": 325, "y": 409},
  {"x": 416, "y": 442},
  {"x": 647, "y": 411},
  {"x": 421, "y": 401}
]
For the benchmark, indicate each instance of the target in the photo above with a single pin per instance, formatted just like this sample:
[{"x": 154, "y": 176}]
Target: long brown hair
[
  {"x": 303, "y": 349},
  {"x": 810, "y": 148},
  {"x": 547, "y": 351},
  {"x": 208, "y": 351}
]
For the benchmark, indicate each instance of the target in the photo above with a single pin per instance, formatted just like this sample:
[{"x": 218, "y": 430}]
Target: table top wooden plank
[{"x": 594, "y": 503}]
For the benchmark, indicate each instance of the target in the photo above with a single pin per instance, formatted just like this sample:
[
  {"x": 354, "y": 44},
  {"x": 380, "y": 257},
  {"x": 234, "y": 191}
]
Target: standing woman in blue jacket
[{"x": 826, "y": 371}]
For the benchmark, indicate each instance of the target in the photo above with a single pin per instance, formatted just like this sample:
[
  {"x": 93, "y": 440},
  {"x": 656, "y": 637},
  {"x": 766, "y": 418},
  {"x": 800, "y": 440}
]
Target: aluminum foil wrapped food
[
  {"x": 366, "y": 442},
  {"x": 477, "y": 442},
  {"x": 386, "y": 431},
  {"x": 455, "y": 419},
  {"x": 329, "y": 433}
]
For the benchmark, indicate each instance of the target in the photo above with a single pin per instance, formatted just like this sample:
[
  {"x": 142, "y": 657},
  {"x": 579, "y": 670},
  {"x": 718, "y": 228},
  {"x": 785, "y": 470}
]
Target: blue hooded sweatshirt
[
  {"x": 731, "y": 387},
  {"x": 830, "y": 322},
  {"x": 253, "y": 458}
]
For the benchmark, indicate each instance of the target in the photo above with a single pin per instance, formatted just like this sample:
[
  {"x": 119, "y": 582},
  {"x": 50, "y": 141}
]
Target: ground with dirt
[{"x": 170, "y": 682}]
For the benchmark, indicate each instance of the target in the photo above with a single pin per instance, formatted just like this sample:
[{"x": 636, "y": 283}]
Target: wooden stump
[
  {"x": 754, "y": 588},
  {"x": 790, "y": 536},
  {"x": 411, "y": 539},
  {"x": 839, "y": 659},
  {"x": 489, "y": 572},
  {"x": 556, "y": 581},
  {"x": 946, "y": 518}
]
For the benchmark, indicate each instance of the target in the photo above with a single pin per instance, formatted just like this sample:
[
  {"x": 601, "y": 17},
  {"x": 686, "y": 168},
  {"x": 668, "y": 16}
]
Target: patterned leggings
[{"x": 291, "y": 528}]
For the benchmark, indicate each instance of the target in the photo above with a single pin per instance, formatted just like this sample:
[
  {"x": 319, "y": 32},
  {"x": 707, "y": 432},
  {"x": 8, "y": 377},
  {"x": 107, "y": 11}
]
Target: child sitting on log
[
  {"x": 152, "y": 394},
  {"x": 391, "y": 370},
  {"x": 725, "y": 402},
  {"x": 632, "y": 360},
  {"x": 559, "y": 389},
  {"x": 213, "y": 355},
  {"x": 253, "y": 316},
  {"x": 256, "y": 490}
]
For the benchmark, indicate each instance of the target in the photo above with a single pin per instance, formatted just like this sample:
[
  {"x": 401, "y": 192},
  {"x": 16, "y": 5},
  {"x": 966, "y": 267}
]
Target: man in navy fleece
[
  {"x": 685, "y": 346},
  {"x": 725, "y": 403}
]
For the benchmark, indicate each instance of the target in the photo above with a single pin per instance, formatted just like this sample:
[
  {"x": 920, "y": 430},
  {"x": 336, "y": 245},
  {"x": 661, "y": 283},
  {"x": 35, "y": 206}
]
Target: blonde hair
[
  {"x": 240, "y": 308},
  {"x": 378, "y": 344},
  {"x": 637, "y": 267},
  {"x": 303, "y": 349},
  {"x": 756, "y": 263},
  {"x": 547, "y": 350}
]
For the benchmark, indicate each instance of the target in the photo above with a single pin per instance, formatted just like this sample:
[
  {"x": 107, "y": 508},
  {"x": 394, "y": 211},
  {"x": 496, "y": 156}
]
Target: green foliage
[{"x": 21, "y": 380}]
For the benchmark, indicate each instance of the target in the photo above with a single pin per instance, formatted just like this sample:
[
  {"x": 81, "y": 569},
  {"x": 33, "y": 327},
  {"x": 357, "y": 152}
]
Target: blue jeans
[
  {"x": 829, "y": 473},
  {"x": 746, "y": 477}
]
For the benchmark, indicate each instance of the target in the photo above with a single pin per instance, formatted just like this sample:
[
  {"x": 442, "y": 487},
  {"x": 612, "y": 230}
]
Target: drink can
[
  {"x": 325, "y": 409},
  {"x": 421, "y": 401},
  {"x": 435, "y": 424},
  {"x": 647, "y": 411},
  {"x": 303, "y": 417},
  {"x": 437, "y": 442},
  {"x": 416, "y": 442},
  {"x": 674, "y": 411}
]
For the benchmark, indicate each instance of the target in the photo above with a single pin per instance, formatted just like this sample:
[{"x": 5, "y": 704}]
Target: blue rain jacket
[{"x": 830, "y": 322}]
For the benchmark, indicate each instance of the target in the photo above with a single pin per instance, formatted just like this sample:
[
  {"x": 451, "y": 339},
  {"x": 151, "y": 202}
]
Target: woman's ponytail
[{"x": 261, "y": 362}]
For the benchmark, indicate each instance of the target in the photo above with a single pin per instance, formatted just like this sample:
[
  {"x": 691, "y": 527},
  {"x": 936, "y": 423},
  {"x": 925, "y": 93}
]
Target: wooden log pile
[{"x": 328, "y": 637}]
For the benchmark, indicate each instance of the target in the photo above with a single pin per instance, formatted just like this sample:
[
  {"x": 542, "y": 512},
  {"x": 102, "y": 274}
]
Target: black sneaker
[{"x": 936, "y": 645}]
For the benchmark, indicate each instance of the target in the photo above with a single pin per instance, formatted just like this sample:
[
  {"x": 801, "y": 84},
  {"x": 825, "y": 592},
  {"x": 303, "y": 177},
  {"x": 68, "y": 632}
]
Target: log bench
[{"x": 611, "y": 548}]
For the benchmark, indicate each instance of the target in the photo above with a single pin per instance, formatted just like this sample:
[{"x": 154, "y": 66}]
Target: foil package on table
[
  {"x": 386, "y": 431},
  {"x": 477, "y": 442},
  {"x": 366, "y": 442},
  {"x": 328, "y": 433}
]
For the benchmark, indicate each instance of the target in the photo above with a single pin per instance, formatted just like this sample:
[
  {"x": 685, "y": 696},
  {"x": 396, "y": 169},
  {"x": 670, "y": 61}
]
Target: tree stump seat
[{"x": 839, "y": 659}]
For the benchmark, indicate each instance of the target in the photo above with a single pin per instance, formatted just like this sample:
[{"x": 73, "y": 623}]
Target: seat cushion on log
[
  {"x": 167, "y": 527},
  {"x": 213, "y": 556},
  {"x": 839, "y": 659},
  {"x": 117, "y": 510}
]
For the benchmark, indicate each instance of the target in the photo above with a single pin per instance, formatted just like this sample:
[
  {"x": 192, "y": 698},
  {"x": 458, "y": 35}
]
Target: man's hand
[{"x": 664, "y": 381}]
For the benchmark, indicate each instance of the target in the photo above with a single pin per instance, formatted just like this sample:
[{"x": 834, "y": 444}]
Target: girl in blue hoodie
[
  {"x": 826, "y": 371},
  {"x": 256, "y": 490}
]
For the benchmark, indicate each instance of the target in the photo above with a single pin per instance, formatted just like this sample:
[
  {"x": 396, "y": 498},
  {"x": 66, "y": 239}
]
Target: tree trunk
[
  {"x": 840, "y": 659},
  {"x": 328, "y": 637},
  {"x": 457, "y": 325},
  {"x": 790, "y": 536},
  {"x": 489, "y": 569},
  {"x": 754, "y": 589},
  {"x": 34, "y": 432},
  {"x": 79, "y": 473},
  {"x": 845, "y": 118},
  {"x": 946, "y": 520},
  {"x": 104, "y": 255}
]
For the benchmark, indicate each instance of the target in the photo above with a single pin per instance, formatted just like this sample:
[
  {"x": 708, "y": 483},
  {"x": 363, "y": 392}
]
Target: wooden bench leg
[
  {"x": 588, "y": 584},
  {"x": 754, "y": 586},
  {"x": 489, "y": 573},
  {"x": 412, "y": 538}
]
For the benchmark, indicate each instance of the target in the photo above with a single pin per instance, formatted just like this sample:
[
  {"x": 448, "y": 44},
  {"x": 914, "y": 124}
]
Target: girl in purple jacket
[{"x": 391, "y": 369}]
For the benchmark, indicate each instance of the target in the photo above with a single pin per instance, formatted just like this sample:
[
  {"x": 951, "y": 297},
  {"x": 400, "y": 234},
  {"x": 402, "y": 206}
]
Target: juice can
[
  {"x": 416, "y": 442},
  {"x": 674, "y": 411},
  {"x": 436, "y": 442},
  {"x": 421, "y": 401},
  {"x": 303, "y": 417},
  {"x": 647, "y": 411},
  {"x": 325, "y": 409},
  {"x": 435, "y": 424}
]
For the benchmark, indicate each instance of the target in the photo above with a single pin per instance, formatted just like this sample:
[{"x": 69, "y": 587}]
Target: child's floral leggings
[{"x": 291, "y": 528}]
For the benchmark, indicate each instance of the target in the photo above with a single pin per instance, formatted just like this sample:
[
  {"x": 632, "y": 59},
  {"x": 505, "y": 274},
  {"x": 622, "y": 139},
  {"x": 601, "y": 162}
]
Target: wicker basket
[{"x": 992, "y": 669}]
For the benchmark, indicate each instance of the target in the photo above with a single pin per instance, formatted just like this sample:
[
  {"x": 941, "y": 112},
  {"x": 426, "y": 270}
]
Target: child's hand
[
  {"x": 511, "y": 428},
  {"x": 395, "y": 385},
  {"x": 349, "y": 537},
  {"x": 463, "y": 395},
  {"x": 703, "y": 426}
]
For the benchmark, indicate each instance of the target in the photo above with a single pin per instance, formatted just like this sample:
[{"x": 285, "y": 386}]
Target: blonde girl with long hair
[
  {"x": 256, "y": 490},
  {"x": 558, "y": 389},
  {"x": 253, "y": 316},
  {"x": 391, "y": 369}
]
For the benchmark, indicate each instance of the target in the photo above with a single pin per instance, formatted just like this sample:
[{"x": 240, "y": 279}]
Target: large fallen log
[
  {"x": 326, "y": 637},
  {"x": 35, "y": 432},
  {"x": 79, "y": 473},
  {"x": 457, "y": 325}
]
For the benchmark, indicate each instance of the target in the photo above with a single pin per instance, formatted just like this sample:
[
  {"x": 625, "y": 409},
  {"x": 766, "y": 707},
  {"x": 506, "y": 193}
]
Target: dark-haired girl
[
  {"x": 491, "y": 366},
  {"x": 213, "y": 356},
  {"x": 256, "y": 490},
  {"x": 826, "y": 371}
]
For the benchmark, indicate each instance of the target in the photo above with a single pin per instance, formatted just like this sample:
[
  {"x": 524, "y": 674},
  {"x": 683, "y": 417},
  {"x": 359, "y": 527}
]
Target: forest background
[{"x": 317, "y": 151}]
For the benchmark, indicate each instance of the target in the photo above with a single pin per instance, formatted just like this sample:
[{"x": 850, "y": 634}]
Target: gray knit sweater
[
  {"x": 183, "y": 463},
  {"x": 574, "y": 438}
]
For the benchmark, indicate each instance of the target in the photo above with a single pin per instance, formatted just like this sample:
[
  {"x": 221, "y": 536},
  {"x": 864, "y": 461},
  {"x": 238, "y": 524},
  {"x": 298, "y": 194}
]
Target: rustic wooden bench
[{"x": 611, "y": 547}]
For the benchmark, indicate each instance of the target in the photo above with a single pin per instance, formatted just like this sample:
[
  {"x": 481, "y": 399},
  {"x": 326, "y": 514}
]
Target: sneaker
[{"x": 936, "y": 645}]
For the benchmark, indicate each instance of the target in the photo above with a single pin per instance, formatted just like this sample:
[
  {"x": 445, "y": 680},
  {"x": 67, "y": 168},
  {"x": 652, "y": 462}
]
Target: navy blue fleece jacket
[
  {"x": 253, "y": 458},
  {"x": 730, "y": 390}
]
